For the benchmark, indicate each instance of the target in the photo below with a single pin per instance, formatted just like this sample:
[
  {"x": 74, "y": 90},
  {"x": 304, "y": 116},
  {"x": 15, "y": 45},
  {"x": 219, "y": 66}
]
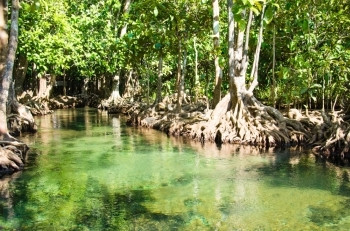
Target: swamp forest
[{"x": 174, "y": 115}]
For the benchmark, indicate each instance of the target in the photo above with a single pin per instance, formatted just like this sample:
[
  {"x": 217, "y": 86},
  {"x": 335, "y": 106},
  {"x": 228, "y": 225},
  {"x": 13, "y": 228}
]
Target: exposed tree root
[
  {"x": 43, "y": 105},
  {"x": 332, "y": 137},
  {"x": 20, "y": 120},
  {"x": 12, "y": 156},
  {"x": 249, "y": 122},
  {"x": 37, "y": 106}
]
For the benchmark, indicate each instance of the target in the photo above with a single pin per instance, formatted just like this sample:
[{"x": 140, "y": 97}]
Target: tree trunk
[
  {"x": 115, "y": 95},
  {"x": 128, "y": 87},
  {"x": 216, "y": 40},
  {"x": 231, "y": 45},
  {"x": 207, "y": 86},
  {"x": 239, "y": 117},
  {"x": 126, "y": 10},
  {"x": 181, "y": 87},
  {"x": 255, "y": 66},
  {"x": 42, "y": 87},
  {"x": 323, "y": 89},
  {"x": 45, "y": 84},
  {"x": 159, "y": 83},
  {"x": 85, "y": 87},
  {"x": 3, "y": 37},
  {"x": 115, "y": 86},
  {"x": 64, "y": 85},
  {"x": 273, "y": 84},
  {"x": 7, "y": 76},
  {"x": 196, "y": 76},
  {"x": 179, "y": 59}
]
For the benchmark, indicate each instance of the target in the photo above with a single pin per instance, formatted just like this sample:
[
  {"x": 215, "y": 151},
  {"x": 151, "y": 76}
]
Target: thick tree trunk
[
  {"x": 45, "y": 87},
  {"x": 216, "y": 40},
  {"x": 239, "y": 117},
  {"x": 7, "y": 76},
  {"x": 231, "y": 45},
  {"x": 3, "y": 37},
  {"x": 115, "y": 86},
  {"x": 11, "y": 152}
]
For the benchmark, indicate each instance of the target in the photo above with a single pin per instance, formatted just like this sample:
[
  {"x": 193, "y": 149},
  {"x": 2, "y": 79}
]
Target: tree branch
[
  {"x": 255, "y": 66},
  {"x": 246, "y": 45}
]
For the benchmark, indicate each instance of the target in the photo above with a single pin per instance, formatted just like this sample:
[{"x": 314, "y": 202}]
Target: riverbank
[{"x": 327, "y": 134}]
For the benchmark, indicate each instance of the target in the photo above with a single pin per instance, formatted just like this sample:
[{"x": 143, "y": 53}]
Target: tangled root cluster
[
  {"x": 12, "y": 154},
  {"x": 246, "y": 122}
]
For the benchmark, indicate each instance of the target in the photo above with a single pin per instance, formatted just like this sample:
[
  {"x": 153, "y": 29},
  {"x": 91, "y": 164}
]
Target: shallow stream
[{"x": 88, "y": 171}]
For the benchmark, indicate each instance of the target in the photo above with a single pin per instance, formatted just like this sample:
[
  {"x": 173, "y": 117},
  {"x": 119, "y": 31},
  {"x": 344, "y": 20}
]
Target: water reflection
[
  {"x": 91, "y": 172},
  {"x": 6, "y": 201}
]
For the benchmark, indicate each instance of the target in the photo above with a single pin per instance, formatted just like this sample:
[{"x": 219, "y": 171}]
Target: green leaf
[
  {"x": 269, "y": 13},
  {"x": 255, "y": 10},
  {"x": 155, "y": 11},
  {"x": 304, "y": 90},
  {"x": 316, "y": 85}
]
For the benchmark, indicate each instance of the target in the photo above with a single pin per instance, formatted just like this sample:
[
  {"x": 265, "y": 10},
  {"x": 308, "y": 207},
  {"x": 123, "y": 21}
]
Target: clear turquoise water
[{"x": 89, "y": 171}]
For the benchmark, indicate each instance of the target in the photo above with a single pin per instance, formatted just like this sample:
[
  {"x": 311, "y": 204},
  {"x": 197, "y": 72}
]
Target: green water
[{"x": 89, "y": 171}]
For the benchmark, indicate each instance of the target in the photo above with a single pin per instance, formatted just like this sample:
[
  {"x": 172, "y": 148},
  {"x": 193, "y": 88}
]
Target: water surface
[{"x": 89, "y": 171}]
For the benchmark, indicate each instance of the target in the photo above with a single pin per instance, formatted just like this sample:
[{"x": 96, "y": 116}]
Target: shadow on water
[
  {"x": 326, "y": 216},
  {"x": 98, "y": 208},
  {"x": 102, "y": 209},
  {"x": 290, "y": 169},
  {"x": 323, "y": 215},
  {"x": 300, "y": 170}
]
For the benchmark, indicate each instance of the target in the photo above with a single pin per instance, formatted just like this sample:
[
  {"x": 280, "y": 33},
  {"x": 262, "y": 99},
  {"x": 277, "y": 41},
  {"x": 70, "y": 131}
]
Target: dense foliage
[{"x": 304, "y": 60}]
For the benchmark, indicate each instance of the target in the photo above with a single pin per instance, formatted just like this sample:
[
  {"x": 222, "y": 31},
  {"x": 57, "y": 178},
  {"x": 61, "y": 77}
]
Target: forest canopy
[{"x": 304, "y": 59}]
